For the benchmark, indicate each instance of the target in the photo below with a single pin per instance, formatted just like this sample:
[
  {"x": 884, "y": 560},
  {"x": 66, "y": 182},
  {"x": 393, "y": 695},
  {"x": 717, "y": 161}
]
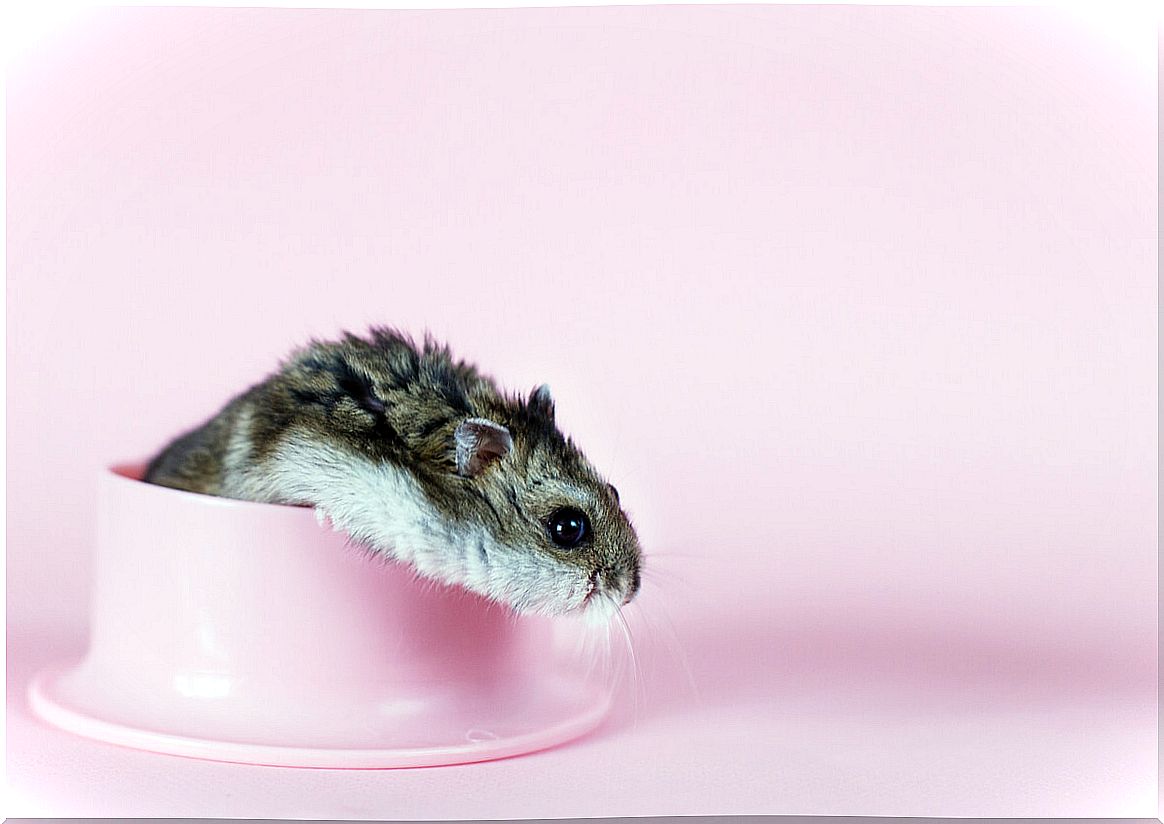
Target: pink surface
[{"x": 857, "y": 306}]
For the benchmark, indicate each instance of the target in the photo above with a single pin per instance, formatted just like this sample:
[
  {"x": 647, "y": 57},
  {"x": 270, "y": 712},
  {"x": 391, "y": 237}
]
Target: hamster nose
[
  {"x": 625, "y": 585},
  {"x": 621, "y": 583},
  {"x": 628, "y": 584}
]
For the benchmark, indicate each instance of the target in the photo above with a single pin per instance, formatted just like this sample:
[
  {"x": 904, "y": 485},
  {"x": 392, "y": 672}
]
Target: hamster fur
[{"x": 422, "y": 458}]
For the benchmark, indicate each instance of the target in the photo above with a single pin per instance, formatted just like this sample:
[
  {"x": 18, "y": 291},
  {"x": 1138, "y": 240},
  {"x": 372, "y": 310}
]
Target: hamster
[{"x": 421, "y": 458}]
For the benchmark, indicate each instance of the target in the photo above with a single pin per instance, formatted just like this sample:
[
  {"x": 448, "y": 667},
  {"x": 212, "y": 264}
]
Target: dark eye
[{"x": 568, "y": 527}]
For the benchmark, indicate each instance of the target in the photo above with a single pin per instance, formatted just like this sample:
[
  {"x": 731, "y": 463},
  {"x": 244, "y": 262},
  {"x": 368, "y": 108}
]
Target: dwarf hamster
[{"x": 422, "y": 458}]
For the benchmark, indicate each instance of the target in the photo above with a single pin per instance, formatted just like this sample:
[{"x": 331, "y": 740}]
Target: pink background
[{"x": 857, "y": 306}]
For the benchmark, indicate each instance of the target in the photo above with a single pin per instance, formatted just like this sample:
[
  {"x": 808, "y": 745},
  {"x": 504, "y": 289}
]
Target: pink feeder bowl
[{"x": 248, "y": 632}]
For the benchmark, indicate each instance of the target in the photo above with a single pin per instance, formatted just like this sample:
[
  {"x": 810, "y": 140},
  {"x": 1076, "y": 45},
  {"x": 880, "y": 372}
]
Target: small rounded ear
[
  {"x": 541, "y": 402},
  {"x": 479, "y": 443}
]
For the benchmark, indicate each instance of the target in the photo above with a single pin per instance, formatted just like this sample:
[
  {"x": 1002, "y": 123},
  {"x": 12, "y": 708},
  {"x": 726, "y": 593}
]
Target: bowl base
[{"x": 422, "y": 735}]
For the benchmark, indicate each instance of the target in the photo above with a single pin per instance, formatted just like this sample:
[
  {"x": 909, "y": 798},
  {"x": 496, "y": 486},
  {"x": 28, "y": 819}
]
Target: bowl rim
[{"x": 129, "y": 474}]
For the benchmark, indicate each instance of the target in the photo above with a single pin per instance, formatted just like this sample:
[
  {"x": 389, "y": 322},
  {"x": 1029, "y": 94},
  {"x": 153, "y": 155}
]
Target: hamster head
[
  {"x": 553, "y": 507},
  {"x": 422, "y": 458}
]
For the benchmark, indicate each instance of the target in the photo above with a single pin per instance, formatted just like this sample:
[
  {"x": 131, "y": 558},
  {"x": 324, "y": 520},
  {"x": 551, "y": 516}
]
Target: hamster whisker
[
  {"x": 651, "y": 574},
  {"x": 671, "y": 640},
  {"x": 635, "y": 672},
  {"x": 670, "y": 553},
  {"x": 593, "y": 650},
  {"x": 613, "y": 672}
]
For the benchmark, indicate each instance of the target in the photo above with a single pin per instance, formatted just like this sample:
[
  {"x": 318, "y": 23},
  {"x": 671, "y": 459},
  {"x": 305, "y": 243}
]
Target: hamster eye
[{"x": 568, "y": 527}]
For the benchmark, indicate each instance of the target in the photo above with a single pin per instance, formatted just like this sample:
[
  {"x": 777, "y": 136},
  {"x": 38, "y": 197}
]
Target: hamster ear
[
  {"x": 479, "y": 443},
  {"x": 541, "y": 402}
]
